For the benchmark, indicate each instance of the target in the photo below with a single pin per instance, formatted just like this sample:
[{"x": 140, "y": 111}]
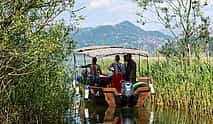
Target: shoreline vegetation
[
  {"x": 33, "y": 50},
  {"x": 178, "y": 84}
]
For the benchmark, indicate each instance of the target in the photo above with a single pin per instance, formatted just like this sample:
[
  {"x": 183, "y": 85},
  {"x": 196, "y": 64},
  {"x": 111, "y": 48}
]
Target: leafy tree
[
  {"x": 34, "y": 44},
  {"x": 184, "y": 19}
]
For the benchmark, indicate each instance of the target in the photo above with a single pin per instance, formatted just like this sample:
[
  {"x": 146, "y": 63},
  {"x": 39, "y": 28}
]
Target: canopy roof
[{"x": 102, "y": 51}]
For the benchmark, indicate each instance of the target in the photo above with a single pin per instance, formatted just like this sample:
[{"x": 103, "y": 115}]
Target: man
[
  {"x": 95, "y": 71},
  {"x": 130, "y": 69}
]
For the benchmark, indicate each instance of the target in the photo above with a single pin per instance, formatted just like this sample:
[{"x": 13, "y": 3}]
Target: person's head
[
  {"x": 129, "y": 57},
  {"x": 94, "y": 60},
  {"x": 117, "y": 58},
  {"x": 84, "y": 73}
]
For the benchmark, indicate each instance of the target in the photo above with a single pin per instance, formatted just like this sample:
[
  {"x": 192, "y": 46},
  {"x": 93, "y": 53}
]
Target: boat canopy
[{"x": 103, "y": 51}]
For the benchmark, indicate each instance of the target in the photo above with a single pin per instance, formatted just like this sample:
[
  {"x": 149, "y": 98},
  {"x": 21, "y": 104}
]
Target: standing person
[
  {"x": 95, "y": 71},
  {"x": 130, "y": 70},
  {"x": 116, "y": 68}
]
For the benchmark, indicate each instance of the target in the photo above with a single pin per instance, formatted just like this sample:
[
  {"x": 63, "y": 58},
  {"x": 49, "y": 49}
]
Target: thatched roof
[{"x": 102, "y": 51}]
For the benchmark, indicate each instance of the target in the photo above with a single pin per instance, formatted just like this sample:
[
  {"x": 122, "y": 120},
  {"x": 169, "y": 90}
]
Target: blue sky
[
  {"x": 102, "y": 12},
  {"x": 110, "y": 12}
]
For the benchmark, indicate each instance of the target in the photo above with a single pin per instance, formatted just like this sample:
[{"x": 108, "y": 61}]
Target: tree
[
  {"x": 184, "y": 17},
  {"x": 33, "y": 46}
]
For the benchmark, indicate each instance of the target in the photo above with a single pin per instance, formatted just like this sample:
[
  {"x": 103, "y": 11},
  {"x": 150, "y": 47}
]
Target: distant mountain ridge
[{"x": 123, "y": 34}]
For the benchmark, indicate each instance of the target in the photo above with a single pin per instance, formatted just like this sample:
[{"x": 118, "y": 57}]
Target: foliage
[
  {"x": 184, "y": 19},
  {"x": 178, "y": 84},
  {"x": 33, "y": 48},
  {"x": 169, "y": 49}
]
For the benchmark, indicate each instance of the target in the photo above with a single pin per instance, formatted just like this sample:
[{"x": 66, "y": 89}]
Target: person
[
  {"x": 83, "y": 79},
  {"x": 95, "y": 71},
  {"x": 130, "y": 74},
  {"x": 116, "y": 68}
]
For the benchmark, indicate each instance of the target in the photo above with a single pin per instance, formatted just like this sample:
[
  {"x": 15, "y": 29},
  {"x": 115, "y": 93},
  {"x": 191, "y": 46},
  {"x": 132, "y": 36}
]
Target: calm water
[{"x": 89, "y": 113}]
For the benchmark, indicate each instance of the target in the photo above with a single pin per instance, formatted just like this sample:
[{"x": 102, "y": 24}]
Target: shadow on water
[
  {"x": 90, "y": 113},
  {"x": 96, "y": 114}
]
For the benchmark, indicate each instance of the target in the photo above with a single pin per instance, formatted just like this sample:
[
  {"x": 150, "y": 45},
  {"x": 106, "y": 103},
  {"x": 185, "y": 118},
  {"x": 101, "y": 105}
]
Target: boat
[{"x": 104, "y": 94}]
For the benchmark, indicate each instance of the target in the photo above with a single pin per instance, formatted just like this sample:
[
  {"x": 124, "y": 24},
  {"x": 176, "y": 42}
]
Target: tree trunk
[{"x": 188, "y": 53}]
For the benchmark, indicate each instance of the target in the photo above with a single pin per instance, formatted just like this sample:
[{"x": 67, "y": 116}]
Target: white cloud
[
  {"x": 105, "y": 12},
  {"x": 127, "y": 7},
  {"x": 100, "y": 3}
]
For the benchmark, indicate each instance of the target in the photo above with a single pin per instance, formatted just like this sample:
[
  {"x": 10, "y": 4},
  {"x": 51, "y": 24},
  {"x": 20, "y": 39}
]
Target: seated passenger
[{"x": 83, "y": 79}]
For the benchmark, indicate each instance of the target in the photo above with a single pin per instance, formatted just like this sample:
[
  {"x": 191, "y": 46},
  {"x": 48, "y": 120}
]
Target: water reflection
[
  {"x": 126, "y": 116},
  {"x": 90, "y": 113}
]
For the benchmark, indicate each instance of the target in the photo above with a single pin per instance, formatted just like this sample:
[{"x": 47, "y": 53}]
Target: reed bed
[{"x": 183, "y": 86}]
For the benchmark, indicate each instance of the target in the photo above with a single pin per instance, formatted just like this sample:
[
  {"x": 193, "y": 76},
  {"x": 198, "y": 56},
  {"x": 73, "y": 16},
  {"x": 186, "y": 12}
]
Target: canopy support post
[
  {"x": 147, "y": 63},
  {"x": 74, "y": 61},
  {"x": 85, "y": 62},
  {"x": 139, "y": 69}
]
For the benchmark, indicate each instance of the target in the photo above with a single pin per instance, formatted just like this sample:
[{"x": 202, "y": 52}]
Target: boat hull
[{"x": 110, "y": 97}]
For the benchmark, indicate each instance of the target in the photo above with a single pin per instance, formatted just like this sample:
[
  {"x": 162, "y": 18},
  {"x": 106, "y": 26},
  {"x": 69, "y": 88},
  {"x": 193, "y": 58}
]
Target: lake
[{"x": 86, "y": 112}]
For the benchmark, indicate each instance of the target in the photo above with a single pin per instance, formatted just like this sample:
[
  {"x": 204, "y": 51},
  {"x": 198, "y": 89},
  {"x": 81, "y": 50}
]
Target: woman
[{"x": 117, "y": 69}]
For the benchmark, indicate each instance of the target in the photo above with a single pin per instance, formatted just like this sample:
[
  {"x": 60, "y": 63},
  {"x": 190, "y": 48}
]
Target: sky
[{"x": 110, "y": 12}]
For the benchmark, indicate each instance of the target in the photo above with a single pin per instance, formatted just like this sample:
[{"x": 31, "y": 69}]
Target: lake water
[{"x": 89, "y": 113}]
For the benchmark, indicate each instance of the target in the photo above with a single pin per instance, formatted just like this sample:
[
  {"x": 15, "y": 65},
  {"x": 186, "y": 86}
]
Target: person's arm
[
  {"x": 110, "y": 68},
  {"x": 85, "y": 66}
]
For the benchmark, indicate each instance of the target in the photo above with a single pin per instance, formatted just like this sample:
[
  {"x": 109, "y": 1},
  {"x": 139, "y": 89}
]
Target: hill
[{"x": 123, "y": 34}]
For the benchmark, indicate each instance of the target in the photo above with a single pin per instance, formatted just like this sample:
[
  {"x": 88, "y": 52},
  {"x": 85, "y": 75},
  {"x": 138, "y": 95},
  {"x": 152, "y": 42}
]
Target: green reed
[{"x": 182, "y": 85}]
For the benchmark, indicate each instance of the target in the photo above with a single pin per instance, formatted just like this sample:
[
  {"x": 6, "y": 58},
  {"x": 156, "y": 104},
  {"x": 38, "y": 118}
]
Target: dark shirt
[{"x": 130, "y": 70}]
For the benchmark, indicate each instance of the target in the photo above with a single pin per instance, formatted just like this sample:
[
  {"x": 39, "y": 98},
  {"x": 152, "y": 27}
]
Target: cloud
[
  {"x": 100, "y": 3},
  {"x": 105, "y": 12},
  {"x": 127, "y": 7}
]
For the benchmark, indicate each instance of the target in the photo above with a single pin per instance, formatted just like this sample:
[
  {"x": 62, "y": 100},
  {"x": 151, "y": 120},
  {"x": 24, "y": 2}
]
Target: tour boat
[{"x": 131, "y": 95}]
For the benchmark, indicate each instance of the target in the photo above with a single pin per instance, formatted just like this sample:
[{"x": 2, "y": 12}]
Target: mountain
[{"x": 123, "y": 34}]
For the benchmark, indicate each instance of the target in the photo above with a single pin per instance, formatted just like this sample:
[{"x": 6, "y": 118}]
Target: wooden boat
[{"x": 109, "y": 95}]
